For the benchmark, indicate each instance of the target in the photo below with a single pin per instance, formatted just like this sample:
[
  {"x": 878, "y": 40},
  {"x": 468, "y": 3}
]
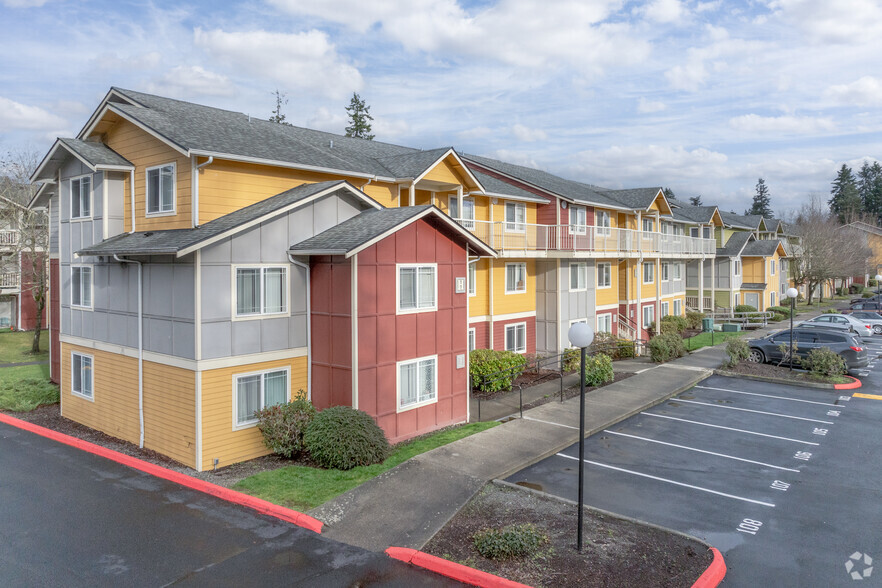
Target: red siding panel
[
  {"x": 499, "y": 333},
  {"x": 330, "y": 288}
]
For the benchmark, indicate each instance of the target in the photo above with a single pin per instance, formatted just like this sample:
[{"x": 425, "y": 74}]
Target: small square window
[
  {"x": 515, "y": 278},
  {"x": 417, "y": 288},
  {"x": 161, "y": 189},
  {"x": 417, "y": 382},
  {"x": 257, "y": 391}
]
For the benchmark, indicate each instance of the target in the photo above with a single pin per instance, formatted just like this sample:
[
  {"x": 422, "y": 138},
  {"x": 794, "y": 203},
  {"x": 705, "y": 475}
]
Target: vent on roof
[{"x": 331, "y": 144}]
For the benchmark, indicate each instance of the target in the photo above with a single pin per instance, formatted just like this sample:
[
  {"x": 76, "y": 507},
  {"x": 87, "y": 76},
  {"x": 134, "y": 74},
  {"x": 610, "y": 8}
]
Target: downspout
[
  {"x": 132, "y": 193},
  {"x": 140, "y": 346},
  {"x": 195, "y": 197},
  {"x": 305, "y": 266}
]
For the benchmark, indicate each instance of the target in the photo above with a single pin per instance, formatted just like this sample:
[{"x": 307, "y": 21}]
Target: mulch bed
[
  {"x": 770, "y": 370},
  {"x": 616, "y": 552}
]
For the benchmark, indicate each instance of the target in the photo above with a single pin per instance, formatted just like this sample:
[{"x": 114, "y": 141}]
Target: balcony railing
[
  {"x": 8, "y": 238},
  {"x": 10, "y": 280},
  {"x": 602, "y": 241}
]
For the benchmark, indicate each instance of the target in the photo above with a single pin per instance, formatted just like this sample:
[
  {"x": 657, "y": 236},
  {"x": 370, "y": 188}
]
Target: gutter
[
  {"x": 140, "y": 347},
  {"x": 305, "y": 266},
  {"x": 195, "y": 198}
]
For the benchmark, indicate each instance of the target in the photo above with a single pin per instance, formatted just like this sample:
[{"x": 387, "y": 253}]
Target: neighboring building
[
  {"x": 872, "y": 237},
  {"x": 18, "y": 310}
]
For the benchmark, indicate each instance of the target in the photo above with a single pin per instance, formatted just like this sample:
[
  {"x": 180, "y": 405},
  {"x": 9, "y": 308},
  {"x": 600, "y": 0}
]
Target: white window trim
[
  {"x": 174, "y": 208},
  {"x": 648, "y": 309},
  {"x": 651, "y": 223},
  {"x": 772, "y": 267},
  {"x": 472, "y": 339},
  {"x": 253, "y": 423},
  {"x": 578, "y": 229},
  {"x": 505, "y": 336},
  {"x": 515, "y": 226},
  {"x": 665, "y": 309},
  {"x": 737, "y": 268},
  {"x": 599, "y": 286},
  {"x": 603, "y": 229},
  {"x": 91, "y": 304},
  {"x": 652, "y": 265},
  {"x": 79, "y": 393},
  {"x": 666, "y": 271},
  {"x": 678, "y": 271},
  {"x": 472, "y": 284},
  {"x": 398, "y": 268},
  {"x": 583, "y": 266},
  {"x": 604, "y": 317},
  {"x": 678, "y": 308},
  {"x": 261, "y": 315},
  {"x": 91, "y": 199},
  {"x": 507, "y": 291},
  {"x": 398, "y": 407}
]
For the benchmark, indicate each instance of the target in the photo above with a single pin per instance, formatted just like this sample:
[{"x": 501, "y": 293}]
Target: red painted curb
[
  {"x": 258, "y": 504},
  {"x": 714, "y": 573},
  {"x": 855, "y": 384},
  {"x": 451, "y": 569}
]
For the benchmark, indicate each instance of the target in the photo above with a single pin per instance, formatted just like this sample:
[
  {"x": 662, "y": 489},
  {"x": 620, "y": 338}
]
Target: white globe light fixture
[
  {"x": 581, "y": 336},
  {"x": 792, "y": 294}
]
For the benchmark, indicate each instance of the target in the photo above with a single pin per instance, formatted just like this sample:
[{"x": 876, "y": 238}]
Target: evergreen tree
[
  {"x": 696, "y": 201},
  {"x": 845, "y": 201},
  {"x": 359, "y": 117},
  {"x": 761, "y": 201},
  {"x": 669, "y": 193},
  {"x": 278, "y": 116},
  {"x": 869, "y": 184}
]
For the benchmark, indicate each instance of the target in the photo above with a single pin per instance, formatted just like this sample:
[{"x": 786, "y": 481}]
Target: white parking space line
[
  {"x": 786, "y": 416},
  {"x": 768, "y": 465},
  {"x": 674, "y": 482},
  {"x": 766, "y": 395},
  {"x": 662, "y": 416}
]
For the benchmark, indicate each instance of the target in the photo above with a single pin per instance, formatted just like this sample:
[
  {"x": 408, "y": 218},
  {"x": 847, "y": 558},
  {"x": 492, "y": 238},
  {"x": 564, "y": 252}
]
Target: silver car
[
  {"x": 874, "y": 319},
  {"x": 851, "y": 323}
]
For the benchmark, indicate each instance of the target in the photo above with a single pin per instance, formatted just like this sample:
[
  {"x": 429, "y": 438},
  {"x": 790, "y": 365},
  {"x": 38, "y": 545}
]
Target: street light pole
[
  {"x": 791, "y": 293},
  {"x": 878, "y": 279},
  {"x": 581, "y": 336}
]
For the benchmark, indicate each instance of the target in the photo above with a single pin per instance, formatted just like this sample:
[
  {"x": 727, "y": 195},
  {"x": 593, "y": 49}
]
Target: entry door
[{"x": 752, "y": 299}]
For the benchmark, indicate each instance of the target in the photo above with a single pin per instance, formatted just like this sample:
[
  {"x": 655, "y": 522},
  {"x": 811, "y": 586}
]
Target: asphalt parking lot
[{"x": 784, "y": 480}]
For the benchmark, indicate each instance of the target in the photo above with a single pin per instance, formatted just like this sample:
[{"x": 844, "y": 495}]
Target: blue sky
[{"x": 700, "y": 96}]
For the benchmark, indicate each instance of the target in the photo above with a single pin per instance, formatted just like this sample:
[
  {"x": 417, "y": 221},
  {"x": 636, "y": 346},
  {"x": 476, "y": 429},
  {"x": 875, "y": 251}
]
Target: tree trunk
[{"x": 35, "y": 346}]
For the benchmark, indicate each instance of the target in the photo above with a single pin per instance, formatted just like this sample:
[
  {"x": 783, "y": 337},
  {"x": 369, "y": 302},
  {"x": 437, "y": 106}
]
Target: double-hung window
[
  {"x": 515, "y": 217},
  {"x": 81, "y": 286},
  {"x": 604, "y": 275},
  {"x": 473, "y": 278},
  {"x": 578, "y": 220},
  {"x": 515, "y": 278},
  {"x": 578, "y": 276},
  {"x": 648, "y": 272},
  {"x": 161, "y": 189},
  {"x": 81, "y": 375},
  {"x": 261, "y": 291},
  {"x": 678, "y": 309},
  {"x": 648, "y": 225},
  {"x": 648, "y": 316},
  {"x": 666, "y": 272},
  {"x": 604, "y": 323},
  {"x": 516, "y": 337},
  {"x": 417, "y": 382},
  {"x": 678, "y": 271},
  {"x": 664, "y": 309},
  {"x": 257, "y": 391},
  {"x": 466, "y": 217},
  {"x": 602, "y": 221},
  {"x": 417, "y": 287},
  {"x": 706, "y": 232},
  {"x": 81, "y": 197}
]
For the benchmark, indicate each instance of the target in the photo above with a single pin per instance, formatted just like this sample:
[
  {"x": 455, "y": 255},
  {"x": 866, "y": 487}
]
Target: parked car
[
  {"x": 767, "y": 349},
  {"x": 873, "y": 298},
  {"x": 874, "y": 319},
  {"x": 852, "y": 324},
  {"x": 866, "y": 305}
]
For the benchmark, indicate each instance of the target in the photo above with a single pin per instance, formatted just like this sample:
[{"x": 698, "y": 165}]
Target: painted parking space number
[
  {"x": 779, "y": 485},
  {"x": 845, "y": 398},
  {"x": 833, "y": 412},
  {"x": 818, "y": 431},
  {"x": 750, "y": 526},
  {"x": 803, "y": 455}
]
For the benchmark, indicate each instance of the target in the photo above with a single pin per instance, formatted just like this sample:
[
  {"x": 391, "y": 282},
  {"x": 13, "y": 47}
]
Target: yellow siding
[
  {"x": 144, "y": 151},
  {"x": 648, "y": 290},
  {"x": 609, "y": 295},
  {"x": 482, "y": 208},
  {"x": 479, "y": 304},
  {"x": 509, "y": 303},
  {"x": 219, "y": 440},
  {"x": 444, "y": 172},
  {"x": 498, "y": 211},
  {"x": 169, "y": 402},
  {"x": 753, "y": 269},
  {"x": 670, "y": 301},
  {"x": 385, "y": 194}
]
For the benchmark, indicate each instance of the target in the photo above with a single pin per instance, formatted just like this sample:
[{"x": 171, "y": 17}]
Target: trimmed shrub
[
  {"x": 778, "y": 317},
  {"x": 745, "y": 308},
  {"x": 493, "y": 370},
  {"x": 509, "y": 542},
  {"x": 666, "y": 347},
  {"x": 824, "y": 362},
  {"x": 831, "y": 311},
  {"x": 598, "y": 370},
  {"x": 867, "y": 295},
  {"x": 785, "y": 310},
  {"x": 870, "y": 283},
  {"x": 342, "y": 438},
  {"x": 693, "y": 319},
  {"x": 738, "y": 350},
  {"x": 615, "y": 347},
  {"x": 673, "y": 324},
  {"x": 570, "y": 359},
  {"x": 624, "y": 349},
  {"x": 283, "y": 425}
]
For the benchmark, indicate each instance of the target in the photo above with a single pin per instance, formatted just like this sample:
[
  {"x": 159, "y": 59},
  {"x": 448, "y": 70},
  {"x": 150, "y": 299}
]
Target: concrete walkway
[{"x": 407, "y": 505}]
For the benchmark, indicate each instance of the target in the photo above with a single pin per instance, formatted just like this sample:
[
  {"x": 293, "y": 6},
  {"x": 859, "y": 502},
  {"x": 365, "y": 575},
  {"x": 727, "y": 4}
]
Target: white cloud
[
  {"x": 111, "y": 61},
  {"x": 17, "y": 116},
  {"x": 389, "y": 128},
  {"x": 866, "y": 91},
  {"x": 754, "y": 123},
  {"x": 185, "y": 81},
  {"x": 647, "y": 106},
  {"x": 527, "y": 134},
  {"x": 475, "y": 133},
  {"x": 303, "y": 60},
  {"x": 689, "y": 77},
  {"x": 843, "y": 21},
  {"x": 665, "y": 11},
  {"x": 515, "y": 157},
  {"x": 325, "y": 120},
  {"x": 650, "y": 164}
]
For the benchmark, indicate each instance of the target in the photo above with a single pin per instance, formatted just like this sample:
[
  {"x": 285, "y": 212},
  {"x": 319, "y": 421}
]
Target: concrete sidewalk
[{"x": 407, "y": 505}]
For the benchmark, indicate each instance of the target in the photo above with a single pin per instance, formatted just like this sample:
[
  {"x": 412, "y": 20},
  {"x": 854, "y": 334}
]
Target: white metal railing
[
  {"x": 627, "y": 328},
  {"x": 692, "y": 302},
  {"x": 10, "y": 280},
  {"x": 604, "y": 241},
  {"x": 8, "y": 237}
]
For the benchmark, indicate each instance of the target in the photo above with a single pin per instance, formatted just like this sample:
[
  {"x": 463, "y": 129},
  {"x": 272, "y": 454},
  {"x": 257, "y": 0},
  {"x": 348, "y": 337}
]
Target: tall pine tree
[
  {"x": 869, "y": 184},
  {"x": 359, "y": 118},
  {"x": 845, "y": 201},
  {"x": 761, "y": 201},
  {"x": 696, "y": 201}
]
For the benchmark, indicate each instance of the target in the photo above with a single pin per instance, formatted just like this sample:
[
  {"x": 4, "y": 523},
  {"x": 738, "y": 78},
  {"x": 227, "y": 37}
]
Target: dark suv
[{"x": 844, "y": 343}]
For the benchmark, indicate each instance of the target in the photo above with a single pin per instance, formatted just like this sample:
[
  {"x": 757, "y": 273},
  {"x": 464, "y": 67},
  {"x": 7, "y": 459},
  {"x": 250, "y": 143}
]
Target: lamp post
[
  {"x": 878, "y": 279},
  {"x": 581, "y": 336},
  {"x": 791, "y": 293}
]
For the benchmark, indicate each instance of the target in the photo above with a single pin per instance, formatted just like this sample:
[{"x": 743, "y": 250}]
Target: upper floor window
[
  {"x": 417, "y": 287},
  {"x": 694, "y": 232},
  {"x": 81, "y": 197},
  {"x": 648, "y": 272},
  {"x": 578, "y": 220},
  {"x": 666, "y": 272},
  {"x": 161, "y": 189},
  {"x": 578, "y": 276},
  {"x": 515, "y": 217},
  {"x": 737, "y": 267},
  {"x": 772, "y": 267},
  {"x": 467, "y": 215},
  {"x": 706, "y": 232},
  {"x": 261, "y": 290},
  {"x": 601, "y": 219},
  {"x": 515, "y": 277},
  {"x": 648, "y": 225},
  {"x": 81, "y": 286},
  {"x": 473, "y": 278},
  {"x": 678, "y": 272}
]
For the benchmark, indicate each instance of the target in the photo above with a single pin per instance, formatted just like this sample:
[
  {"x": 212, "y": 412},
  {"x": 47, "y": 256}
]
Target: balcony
[
  {"x": 8, "y": 238},
  {"x": 10, "y": 280},
  {"x": 530, "y": 240}
]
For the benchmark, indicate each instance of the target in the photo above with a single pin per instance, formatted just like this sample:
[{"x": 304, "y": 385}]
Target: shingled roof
[
  {"x": 761, "y": 248},
  {"x": 734, "y": 245}
]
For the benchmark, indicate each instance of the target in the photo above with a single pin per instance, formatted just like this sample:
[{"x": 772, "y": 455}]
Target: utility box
[
  {"x": 707, "y": 325},
  {"x": 731, "y": 327}
]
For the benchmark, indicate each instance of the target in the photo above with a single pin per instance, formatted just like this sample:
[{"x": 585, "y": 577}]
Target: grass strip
[
  {"x": 15, "y": 346},
  {"x": 24, "y": 388}
]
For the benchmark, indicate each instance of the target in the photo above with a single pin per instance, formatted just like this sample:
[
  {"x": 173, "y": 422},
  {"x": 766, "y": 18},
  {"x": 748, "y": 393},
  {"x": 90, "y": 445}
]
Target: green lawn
[
  {"x": 303, "y": 488},
  {"x": 25, "y": 388},
  {"x": 704, "y": 339},
  {"x": 15, "y": 347}
]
